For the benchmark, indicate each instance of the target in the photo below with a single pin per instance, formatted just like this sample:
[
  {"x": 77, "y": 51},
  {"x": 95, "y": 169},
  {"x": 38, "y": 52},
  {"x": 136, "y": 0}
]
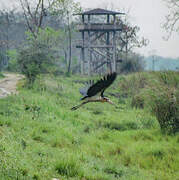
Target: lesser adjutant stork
[{"x": 94, "y": 92}]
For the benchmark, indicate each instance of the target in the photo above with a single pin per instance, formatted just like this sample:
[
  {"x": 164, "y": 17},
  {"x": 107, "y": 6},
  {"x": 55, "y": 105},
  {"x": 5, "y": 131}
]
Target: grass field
[{"x": 41, "y": 138}]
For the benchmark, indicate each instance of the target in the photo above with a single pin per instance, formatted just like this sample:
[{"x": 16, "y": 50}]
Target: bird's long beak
[{"x": 110, "y": 102}]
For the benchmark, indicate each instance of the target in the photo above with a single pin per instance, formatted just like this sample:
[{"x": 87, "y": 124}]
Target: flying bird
[{"x": 94, "y": 92}]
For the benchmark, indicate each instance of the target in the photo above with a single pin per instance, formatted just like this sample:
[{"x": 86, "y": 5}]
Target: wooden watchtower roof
[
  {"x": 87, "y": 25},
  {"x": 99, "y": 11}
]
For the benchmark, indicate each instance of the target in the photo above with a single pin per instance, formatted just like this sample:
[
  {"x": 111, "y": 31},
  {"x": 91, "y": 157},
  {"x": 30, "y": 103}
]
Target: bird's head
[{"x": 105, "y": 99}]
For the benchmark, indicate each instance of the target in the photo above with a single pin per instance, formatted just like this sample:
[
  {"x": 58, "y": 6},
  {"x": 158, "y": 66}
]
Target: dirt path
[{"x": 8, "y": 84}]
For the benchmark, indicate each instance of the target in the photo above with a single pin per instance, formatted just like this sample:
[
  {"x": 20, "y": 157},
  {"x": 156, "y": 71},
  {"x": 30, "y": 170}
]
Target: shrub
[
  {"x": 32, "y": 62},
  {"x": 12, "y": 63},
  {"x": 169, "y": 78},
  {"x": 1, "y": 75},
  {"x": 39, "y": 55},
  {"x": 133, "y": 84},
  {"x": 134, "y": 63},
  {"x": 138, "y": 101},
  {"x": 164, "y": 103},
  {"x": 3, "y": 60}
]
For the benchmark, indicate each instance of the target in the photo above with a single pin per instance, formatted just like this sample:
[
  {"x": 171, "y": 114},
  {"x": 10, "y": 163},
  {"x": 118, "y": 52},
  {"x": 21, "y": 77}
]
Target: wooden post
[
  {"x": 126, "y": 46},
  {"x": 83, "y": 19},
  {"x": 107, "y": 43},
  {"x": 82, "y": 54},
  {"x": 114, "y": 19},
  {"x": 90, "y": 54},
  {"x": 82, "y": 49},
  {"x": 88, "y": 18},
  {"x": 82, "y": 61},
  {"x": 114, "y": 52},
  {"x": 89, "y": 50}
]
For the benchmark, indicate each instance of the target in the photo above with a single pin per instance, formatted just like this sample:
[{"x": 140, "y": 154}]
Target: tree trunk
[{"x": 70, "y": 48}]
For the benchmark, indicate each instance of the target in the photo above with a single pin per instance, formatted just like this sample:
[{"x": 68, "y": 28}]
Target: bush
[
  {"x": 12, "y": 63},
  {"x": 134, "y": 63},
  {"x": 35, "y": 60},
  {"x": 164, "y": 103},
  {"x": 138, "y": 101},
  {"x": 3, "y": 60},
  {"x": 1, "y": 75},
  {"x": 39, "y": 55},
  {"x": 132, "y": 84},
  {"x": 169, "y": 78},
  {"x": 32, "y": 62}
]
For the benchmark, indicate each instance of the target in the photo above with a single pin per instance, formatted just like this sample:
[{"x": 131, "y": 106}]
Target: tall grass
[{"x": 158, "y": 91}]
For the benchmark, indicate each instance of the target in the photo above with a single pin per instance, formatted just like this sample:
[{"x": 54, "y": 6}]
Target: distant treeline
[{"x": 158, "y": 63}]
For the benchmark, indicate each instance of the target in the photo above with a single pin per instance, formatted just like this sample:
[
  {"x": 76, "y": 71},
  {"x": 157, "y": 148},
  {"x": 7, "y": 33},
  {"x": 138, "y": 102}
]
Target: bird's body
[{"x": 93, "y": 92}]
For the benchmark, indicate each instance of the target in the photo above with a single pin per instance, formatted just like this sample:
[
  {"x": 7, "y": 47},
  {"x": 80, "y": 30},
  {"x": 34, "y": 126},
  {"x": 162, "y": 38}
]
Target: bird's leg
[{"x": 78, "y": 106}]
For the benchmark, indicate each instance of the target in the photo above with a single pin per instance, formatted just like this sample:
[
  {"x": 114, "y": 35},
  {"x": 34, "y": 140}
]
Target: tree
[
  {"x": 7, "y": 19},
  {"x": 134, "y": 63},
  {"x": 65, "y": 9},
  {"x": 129, "y": 39},
  {"x": 39, "y": 55},
  {"x": 34, "y": 13},
  {"x": 172, "y": 19}
]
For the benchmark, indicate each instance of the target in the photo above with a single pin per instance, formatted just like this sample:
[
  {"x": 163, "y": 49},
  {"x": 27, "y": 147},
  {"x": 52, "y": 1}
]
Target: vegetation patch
[
  {"x": 68, "y": 168},
  {"x": 1, "y": 75}
]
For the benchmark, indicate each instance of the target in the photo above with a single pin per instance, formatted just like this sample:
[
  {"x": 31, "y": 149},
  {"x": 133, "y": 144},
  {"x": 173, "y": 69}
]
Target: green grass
[
  {"x": 1, "y": 75},
  {"x": 41, "y": 138}
]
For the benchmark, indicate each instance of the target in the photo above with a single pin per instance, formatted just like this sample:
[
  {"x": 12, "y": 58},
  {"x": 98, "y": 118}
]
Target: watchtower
[{"x": 98, "y": 43}]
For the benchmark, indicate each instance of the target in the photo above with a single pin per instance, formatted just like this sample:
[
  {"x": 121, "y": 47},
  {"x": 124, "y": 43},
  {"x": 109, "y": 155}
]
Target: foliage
[
  {"x": 33, "y": 61},
  {"x": 172, "y": 19},
  {"x": 134, "y": 63},
  {"x": 1, "y": 75},
  {"x": 165, "y": 105},
  {"x": 132, "y": 84},
  {"x": 164, "y": 101},
  {"x": 65, "y": 9},
  {"x": 161, "y": 63},
  {"x": 34, "y": 13},
  {"x": 1, "y": 65},
  {"x": 129, "y": 39},
  {"x": 2, "y": 58},
  {"x": 12, "y": 62},
  {"x": 39, "y": 55},
  {"x": 137, "y": 101},
  {"x": 157, "y": 92},
  {"x": 69, "y": 167},
  {"x": 6, "y": 19}
]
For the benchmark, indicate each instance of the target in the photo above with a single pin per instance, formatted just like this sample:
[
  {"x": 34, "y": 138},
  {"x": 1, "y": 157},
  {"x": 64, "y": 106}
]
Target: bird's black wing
[
  {"x": 101, "y": 85},
  {"x": 84, "y": 90}
]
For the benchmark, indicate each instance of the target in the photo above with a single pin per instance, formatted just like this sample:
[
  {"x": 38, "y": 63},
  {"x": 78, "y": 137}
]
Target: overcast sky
[{"x": 147, "y": 14}]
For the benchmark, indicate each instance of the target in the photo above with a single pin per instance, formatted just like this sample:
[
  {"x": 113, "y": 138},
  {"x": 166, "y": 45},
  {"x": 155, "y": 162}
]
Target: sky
[{"x": 147, "y": 14}]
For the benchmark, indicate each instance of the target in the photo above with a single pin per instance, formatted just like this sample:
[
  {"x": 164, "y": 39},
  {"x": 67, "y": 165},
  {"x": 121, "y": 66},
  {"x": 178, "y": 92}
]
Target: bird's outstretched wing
[
  {"x": 99, "y": 86},
  {"x": 84, "y": 90}
]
